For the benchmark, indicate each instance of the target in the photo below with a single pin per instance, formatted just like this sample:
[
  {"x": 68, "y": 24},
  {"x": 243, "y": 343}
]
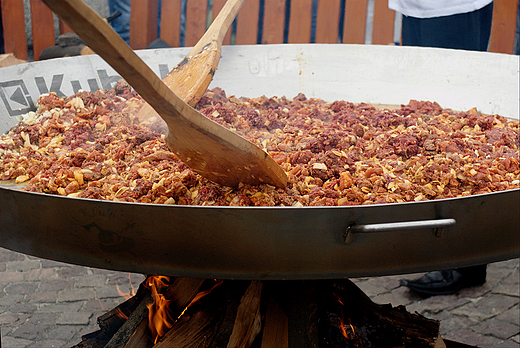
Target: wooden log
[
  {"x": 122, "y": 336},
  {"x": 248, "y": 322},
  {"x": 197, "y": 324},
  {"x": 95, "y": 339},
  {"x": 380, "y": 325},
  {"x": 234, "y": 291},
  {"x": 299, "y": 301},
  {"x": 275, "y": 332},
  {"x": 141, "y": 337},
  {"x": 112, "y": 320},
  {"x": 182, "y": 291}
]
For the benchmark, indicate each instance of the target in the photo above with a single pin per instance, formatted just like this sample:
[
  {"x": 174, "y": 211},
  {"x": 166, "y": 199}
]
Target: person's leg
[
  {"x": 447, "y": 282},
  {"x": 411, "y": 31},
  {"x": 468, "y": 31},
  {"x": 121, "y": 23},
  {"x": 1, "y": 33},
  {"x": 517, "y": 34}
]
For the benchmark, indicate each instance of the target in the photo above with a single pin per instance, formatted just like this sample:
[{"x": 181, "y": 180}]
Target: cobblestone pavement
[{"x": 50, "y": 304}]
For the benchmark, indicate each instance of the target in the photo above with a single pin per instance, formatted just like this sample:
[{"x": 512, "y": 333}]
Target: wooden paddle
[
  {"x": 205, "y": 146},
  {"x": 192, "y": 76}
]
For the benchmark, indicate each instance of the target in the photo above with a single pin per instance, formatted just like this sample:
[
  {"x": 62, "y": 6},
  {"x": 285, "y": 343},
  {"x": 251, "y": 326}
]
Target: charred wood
[
  {"x": 299, "y": 301},
  {"x": 248, "y": 321},
  {"x": 112, "y": 320},
  {"x": 366, "y": 323},
  {"x": 232, "y": 299},
  {"x": 275, "y": 332},
  {"x": 139, "y": 315}
]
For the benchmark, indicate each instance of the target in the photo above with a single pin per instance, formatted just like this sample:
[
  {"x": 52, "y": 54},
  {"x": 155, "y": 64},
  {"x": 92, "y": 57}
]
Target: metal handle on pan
[{"x": 437, "y": 225}]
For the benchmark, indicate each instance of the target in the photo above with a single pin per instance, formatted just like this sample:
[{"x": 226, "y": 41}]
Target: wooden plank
[
  {"x": 64, "y": 28},
  {"x": 247, "y": 23},
  {"x": 196, "y": 21},
  {"x": 9, "y": 59},
  {"x": 248, "y": 323},
  {"x": 13, "y": 21},
  {"x": 274, "y": 21},
  {"x": 503, "y": 26},
  {"x": 171, "y": 22},
  {"x": 143, "y": 22},
  {"x": 300, "y": 21},
  {"x": 42, "y": 27},
  {"x": 327, "y": 21},
  {"x": 354, "y": 26},
  {"x": 217, "y": 6},
  {"x": 275, "y": 332},
  {"x": 140, "y": 314},
  {"x": 383, "y": 23}
]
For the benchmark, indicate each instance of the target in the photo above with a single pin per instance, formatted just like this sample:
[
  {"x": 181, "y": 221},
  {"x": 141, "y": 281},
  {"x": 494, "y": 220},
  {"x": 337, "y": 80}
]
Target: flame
[
  {"x": 160, "y": 316},
  {"x": 121, "y": 315},
  {"x": 127, "y": 295},
  {"x": 344, "y": 327}
]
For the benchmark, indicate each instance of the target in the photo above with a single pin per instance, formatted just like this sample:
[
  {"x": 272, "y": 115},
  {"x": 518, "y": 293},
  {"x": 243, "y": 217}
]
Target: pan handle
[{"x": 437, "y": 225}]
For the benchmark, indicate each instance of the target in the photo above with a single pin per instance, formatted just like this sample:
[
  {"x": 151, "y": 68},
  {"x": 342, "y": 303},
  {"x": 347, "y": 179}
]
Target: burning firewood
[{"x": 238, "y": 313}]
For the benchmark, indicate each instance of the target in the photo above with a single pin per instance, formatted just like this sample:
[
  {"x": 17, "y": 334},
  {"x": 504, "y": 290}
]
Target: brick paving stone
[
  {"x": 11, "y": 276},
  {"x": 21, "y": 288},
  {"x": 47, "y": 344},
  {"x": 101, "y": 305},
  {"x": 476, "y": 291},
  {"x": 11, "y": 300},
  {"x": 55, "y": 284},
  {"x": 108, "y": 292},
  {"x": 473, "y": 338},
  {"x": 11, "y": 256},
  {"x": 35, "y": 327},
  {"x": 436, "y": 304},
  {"x": 60, "y": 307},
  {"x": 510, "y": 285},
  {"x": 63, "y": 332},
  {"x": 52, "y": 264},
  {"x": 24, "y": 265},
  {"x": 449, "y": 322},
  {"x": 11, "y": 318},
  {"x": 67, "y": 272},
  {"x": 42, "y": 297},
  {"x": 491, "y": 306},
  {"x": 12, "y": 342},
  {"x": 91, "y": 280},
  {"x": 76, "y": 295},
  {"x": 39, "y": 274},
  {"x": 496, "y": 329},
  {"x": 397, "y": 297},
  {"x": 74, "y": 318},
  {"x": 24, "y": 308},
  {"x": 511, "y": 316}
]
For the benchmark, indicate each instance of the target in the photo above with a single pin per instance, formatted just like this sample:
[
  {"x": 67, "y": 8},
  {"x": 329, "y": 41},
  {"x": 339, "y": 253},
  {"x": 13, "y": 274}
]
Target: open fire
[
  {"x": 182, "y": 312},
  {"x": 162, "y": 311}
]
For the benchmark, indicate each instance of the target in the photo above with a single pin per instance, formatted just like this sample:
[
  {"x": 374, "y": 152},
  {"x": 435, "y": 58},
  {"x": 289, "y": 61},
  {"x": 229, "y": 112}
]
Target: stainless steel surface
[
  {"x": 281, "y": 242},
  {"x": 437, "y": 227},
  {"x": 258, "y": 243}
]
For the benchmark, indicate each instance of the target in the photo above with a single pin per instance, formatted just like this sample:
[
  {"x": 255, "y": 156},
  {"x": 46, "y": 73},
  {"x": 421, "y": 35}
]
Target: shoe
[{"x": 446, "y": 282}]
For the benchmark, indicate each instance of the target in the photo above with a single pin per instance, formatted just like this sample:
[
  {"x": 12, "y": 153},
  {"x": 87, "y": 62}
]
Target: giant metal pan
[{"x": 277, "y": 243}]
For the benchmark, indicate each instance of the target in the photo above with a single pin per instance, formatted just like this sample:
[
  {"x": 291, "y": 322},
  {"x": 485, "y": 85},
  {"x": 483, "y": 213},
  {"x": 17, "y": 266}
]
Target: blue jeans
[{"x": 121, "y": 24}]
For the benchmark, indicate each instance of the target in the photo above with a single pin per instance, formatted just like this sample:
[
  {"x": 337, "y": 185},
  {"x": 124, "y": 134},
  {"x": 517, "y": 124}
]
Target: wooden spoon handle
[
  {"x": 219, "y": 27},
  {"x": 99, "y": 36}
]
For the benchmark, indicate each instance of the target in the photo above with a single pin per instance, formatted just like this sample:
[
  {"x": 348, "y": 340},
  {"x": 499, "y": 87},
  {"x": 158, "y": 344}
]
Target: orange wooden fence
[{"x": 289, "y": 21}]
